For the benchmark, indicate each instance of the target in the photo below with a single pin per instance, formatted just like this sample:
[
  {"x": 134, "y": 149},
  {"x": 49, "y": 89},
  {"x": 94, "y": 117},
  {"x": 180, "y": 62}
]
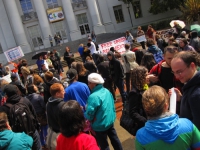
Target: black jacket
[
  {"x": 190, "y": 101},
  {"x": 136, "y": 110},
  {"x": 103, "y": 69},
  {"x": 53, "y": 107},
  {"x": 15, "y": 99},
  {"x": 116, "y": 68}
]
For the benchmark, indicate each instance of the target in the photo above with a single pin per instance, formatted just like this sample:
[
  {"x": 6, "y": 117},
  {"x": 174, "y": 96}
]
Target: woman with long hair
[
  {"x": 148, "y": 61},
  {"x": 82, "y": 73},
  {"x": 140, "y": 81}
]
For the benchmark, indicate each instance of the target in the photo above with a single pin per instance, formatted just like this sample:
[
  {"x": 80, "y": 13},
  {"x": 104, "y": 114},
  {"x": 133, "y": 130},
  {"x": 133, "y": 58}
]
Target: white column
[
  {"x": 71, "y": 20},
  {"x": 16, "y": 25},
  {"x": 106, "y": 16},
  {"x": 43, "y": 21},
  {"x": 94, "y": 13}
]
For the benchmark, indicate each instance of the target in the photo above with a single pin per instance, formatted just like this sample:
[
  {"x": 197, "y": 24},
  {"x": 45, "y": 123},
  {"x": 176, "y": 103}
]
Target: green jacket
[{"x": 100, "y": 109}]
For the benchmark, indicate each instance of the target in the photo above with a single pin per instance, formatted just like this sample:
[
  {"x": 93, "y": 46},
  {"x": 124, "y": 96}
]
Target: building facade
[{"x": 28, "y": 23}]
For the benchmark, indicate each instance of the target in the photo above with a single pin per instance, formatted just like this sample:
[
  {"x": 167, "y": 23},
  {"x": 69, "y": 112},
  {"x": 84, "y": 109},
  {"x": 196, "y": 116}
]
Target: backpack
[{"x": 21, "y": 118}]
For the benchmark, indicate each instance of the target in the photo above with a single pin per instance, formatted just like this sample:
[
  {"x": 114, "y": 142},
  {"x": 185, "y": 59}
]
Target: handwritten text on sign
[{"x": 118, "y": 45}]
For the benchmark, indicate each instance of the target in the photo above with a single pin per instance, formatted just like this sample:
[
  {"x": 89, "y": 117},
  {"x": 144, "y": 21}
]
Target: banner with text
[
  {"x": 55, "y": 14},
  {"x": 14, "y": 54},
  {"x": 163, "y": 33},
  {"x": 118, "y": 45}
]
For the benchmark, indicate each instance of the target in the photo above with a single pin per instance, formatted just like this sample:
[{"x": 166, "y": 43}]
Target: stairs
[{"x": 101, "y": 38}]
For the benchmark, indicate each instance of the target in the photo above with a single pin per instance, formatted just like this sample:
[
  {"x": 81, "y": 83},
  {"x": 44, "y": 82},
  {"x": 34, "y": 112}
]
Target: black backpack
[{"x": 21, "y": 118}]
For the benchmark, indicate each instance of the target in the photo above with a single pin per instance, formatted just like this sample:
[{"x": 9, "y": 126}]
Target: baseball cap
[{"x": 71, "y": 74}]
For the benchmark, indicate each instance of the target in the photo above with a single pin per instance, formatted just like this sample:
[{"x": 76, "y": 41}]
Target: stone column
[
  {"x": 43, "y": 21},
  {"x": 16, "y": 25},
  {"x": 106, "y": 16},
  {"x": 71, "y": 20},
  {"x": 94, "y": 13}
]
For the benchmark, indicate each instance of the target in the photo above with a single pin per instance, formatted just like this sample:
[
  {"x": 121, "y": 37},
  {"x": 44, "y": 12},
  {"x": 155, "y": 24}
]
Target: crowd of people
[{"x": 81, "y": 114}]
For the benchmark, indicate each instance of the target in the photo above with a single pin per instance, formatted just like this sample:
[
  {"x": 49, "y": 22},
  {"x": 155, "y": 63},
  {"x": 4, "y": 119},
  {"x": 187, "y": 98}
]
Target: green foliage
[
  {"x": 161, "y": 6},
  {"x": 190, "y": 10}
]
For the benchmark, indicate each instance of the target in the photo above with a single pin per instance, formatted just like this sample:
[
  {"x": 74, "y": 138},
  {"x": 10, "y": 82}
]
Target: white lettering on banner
[{"x": 118, "y": 45}]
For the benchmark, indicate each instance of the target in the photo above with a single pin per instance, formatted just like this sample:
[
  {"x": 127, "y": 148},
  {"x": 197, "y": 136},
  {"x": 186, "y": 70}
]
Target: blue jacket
[
  {"x": 15, "y": 141},
  {"x": 100, "y": 109},
  {"x": 77, "y": 91}
]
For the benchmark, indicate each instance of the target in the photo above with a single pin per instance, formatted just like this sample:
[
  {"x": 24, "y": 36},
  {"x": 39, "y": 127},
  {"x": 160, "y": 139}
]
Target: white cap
[{"x": 95, "y": 78}]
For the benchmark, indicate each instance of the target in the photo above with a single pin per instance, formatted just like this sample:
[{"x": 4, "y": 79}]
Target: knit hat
[
  {"x": 10, "y": 90},
  {"x": 95, "y": 78},
  {"x": 71, "y": 74}
]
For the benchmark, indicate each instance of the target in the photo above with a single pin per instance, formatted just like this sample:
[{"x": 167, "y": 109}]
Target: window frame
[{"x": 119, "y": 15}]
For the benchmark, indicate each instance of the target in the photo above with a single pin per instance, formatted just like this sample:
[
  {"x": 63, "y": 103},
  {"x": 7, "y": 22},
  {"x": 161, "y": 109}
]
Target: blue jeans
[
  {"x": 43, "y": 134},
  {"x": 120, "y": 86},
  {"x": 101, "y": 138},
  {"x": 36, "y": 141}
]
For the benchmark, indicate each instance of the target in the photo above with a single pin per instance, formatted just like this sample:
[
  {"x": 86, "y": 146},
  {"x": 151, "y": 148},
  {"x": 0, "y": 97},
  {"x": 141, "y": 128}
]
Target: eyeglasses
[{"x": 179, "y": 72}]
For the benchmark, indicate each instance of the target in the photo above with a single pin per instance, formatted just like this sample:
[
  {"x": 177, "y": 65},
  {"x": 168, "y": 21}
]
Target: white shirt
[{"x": 92, "y": 48}]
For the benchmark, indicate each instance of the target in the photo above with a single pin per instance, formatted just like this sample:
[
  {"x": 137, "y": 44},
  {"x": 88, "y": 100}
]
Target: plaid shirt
[{"x": 156, "y": 70}]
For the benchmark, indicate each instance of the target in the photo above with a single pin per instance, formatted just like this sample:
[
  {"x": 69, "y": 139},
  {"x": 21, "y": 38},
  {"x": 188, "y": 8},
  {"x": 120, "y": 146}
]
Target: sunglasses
[{"x": 170, "y": 49}]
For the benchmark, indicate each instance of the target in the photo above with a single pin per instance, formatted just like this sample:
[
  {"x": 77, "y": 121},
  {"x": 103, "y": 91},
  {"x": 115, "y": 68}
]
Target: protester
[
  {"x": 93, "y": 36},
  {"x": 51, "y": 40},
  {"x": 140, "y": 32},
  {"x": 55, "y": 103},
  {"x": 76, "y": 90},
  {"x": 72, "y": 122},
  {"x": 92, "y": 48},
  {"x": 129, "y": 38},
  {"x": 164, "y": 130},
  {"x": 90, "y": 65},
  {"x": 10, "y": 140},
  {"x": 129, "y": 61},
  {"x": 194, "y": 41},
  {"x": 81, "y": 52},
  {"x": 148, "y": 61},
  {"x": 100, "y": 104},
  {"x": 82, "y": 73},
  {"x": 67, "y": 57},
  {"x": 184, "y": 46},
  {"x": 117, "y": 74},
  {"x": 18, "y": 83},
  {"x": 150, "y": 32},
  {"x": 184, "y": 67}
]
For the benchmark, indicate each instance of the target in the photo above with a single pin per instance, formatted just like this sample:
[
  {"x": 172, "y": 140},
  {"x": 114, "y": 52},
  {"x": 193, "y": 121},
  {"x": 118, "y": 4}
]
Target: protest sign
[
  {"x": 14, "y": 54},
  {"x": 118, "y": 45},
  {"x": 163, "y": 33},
  {"x": 141, "y": 39}
]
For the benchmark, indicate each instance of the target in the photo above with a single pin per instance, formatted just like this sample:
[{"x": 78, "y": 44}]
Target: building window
[
  {"x": 137, "y": 9},
  {"x": 83, "y": 23},
  {"x": 59, "y": 29},
  {"x": 52, "y": 3},
  {"x": 26, "y": 6},
  {"x": 35, "y": 36},
  {"x": 118, "y": 14}
]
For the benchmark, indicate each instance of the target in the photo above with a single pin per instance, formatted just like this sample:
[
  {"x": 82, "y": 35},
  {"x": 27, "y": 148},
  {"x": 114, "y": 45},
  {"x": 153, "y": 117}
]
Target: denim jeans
[
  {"x": 36, "y": 141},
  {"x": 43, "y": 134},
  {"x": 120, "y": 86},
  {"x": 101, "y": 138}
]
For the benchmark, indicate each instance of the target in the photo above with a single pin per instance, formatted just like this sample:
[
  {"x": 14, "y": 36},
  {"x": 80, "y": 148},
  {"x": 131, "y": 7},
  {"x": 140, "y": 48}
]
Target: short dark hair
[
  {"x": 184, "y": 41},
  {"x": 150, "y": 42},
  {"x": 127, "y": 46},
  {"x": 71, "y": 119},
  {"x": 171, "y": 49},
  {"x": 187, "y": 57},
  {"x": 48, "y": 76}
]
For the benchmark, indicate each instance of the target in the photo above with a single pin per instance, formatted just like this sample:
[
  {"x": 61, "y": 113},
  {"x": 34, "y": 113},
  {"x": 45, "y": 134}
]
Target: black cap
[
  {"x": 10, "y": 90},
  {"x": 13, "y": 76},
  {"x": 71, "y": 74}
]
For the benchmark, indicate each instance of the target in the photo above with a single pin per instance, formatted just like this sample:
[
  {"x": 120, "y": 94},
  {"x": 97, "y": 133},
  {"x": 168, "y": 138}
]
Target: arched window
[{"x": 26, "y": 6}]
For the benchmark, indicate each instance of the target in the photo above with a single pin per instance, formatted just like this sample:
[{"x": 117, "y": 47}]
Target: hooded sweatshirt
[
  {"x": 15, "y": 141},
  {"x": 168, "y": 133},
  {"x": 194, "y": 42},
  {"x": 157, "y": 53}
]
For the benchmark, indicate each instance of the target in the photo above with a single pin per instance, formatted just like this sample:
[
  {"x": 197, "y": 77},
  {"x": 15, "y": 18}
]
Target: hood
[
  {"x": 165, "y": 128},
  {"x": 54, "y": 80},
  {"x": 112, "y": 54},
  {"x": 54, "y": 100},
  {"x": 194, "y": 34},
  {"x": 153, "y": 49},
  {"x": 5, "y": 138},
  {"x": 14, "y": 99}
]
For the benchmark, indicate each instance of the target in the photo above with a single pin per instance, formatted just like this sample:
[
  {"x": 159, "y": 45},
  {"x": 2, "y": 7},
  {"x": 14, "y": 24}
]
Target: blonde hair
[{"x": 154, "y": 100}]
